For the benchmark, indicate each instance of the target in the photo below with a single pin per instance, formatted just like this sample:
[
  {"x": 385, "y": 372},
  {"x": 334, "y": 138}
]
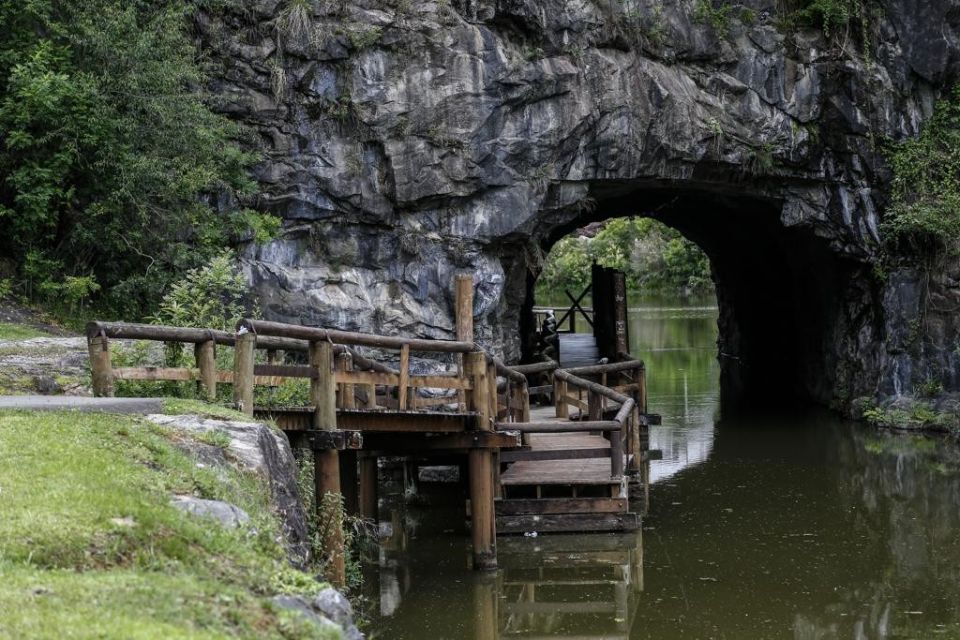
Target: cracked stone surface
[{"x": 408, "y": 141}]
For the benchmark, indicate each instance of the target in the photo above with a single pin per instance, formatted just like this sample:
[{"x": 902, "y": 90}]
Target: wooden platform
[{"x": 562, "y": 482}]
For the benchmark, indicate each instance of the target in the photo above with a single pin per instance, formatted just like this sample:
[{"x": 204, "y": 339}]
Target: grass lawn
[
  {"x": 91, "y": 548},
  {"x": 19, "y": 332}
]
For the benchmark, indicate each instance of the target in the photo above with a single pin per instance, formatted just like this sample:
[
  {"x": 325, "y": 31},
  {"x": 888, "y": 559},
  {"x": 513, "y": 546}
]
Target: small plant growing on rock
[
  {"x": 360, "y": 39},
  {"x": 294, "y": 21}
]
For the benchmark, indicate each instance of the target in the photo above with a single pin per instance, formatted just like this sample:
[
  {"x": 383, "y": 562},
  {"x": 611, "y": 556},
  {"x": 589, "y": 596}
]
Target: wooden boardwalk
[{"x": 566, "y": 467}]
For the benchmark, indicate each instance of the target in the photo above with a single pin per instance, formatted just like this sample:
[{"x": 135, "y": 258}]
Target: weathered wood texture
[{"x": 569, "y": 523}]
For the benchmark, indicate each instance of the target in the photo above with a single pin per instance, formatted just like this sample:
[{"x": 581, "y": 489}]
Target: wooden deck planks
[{"x": 592, "y": 472}]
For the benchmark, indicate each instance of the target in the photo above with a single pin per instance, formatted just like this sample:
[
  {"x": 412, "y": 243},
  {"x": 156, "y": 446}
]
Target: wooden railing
[
  {"x": 481, "y": 391},
  {"x": 569, "y": 313},
  {"x": 592, "y": 399}
]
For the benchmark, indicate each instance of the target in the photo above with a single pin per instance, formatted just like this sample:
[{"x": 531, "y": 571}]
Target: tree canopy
[{"x": 116, "y": 175}]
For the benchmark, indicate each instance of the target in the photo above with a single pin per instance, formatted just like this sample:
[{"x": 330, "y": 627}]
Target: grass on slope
[
  {"x": 10, "y": 331},
  {"x": 91, "y": 548}
]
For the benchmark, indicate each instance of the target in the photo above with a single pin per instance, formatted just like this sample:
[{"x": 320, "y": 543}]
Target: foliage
[
  {"x": 213, "y": 296},
  {"x": 116, "y": 172},
  {"x": 832, "y": 16},
  {"x": 655, "y": 258},
  {"x": 719, "y": 15},
  {"x": 924, "y": 213},
  {"x": 97, "y": 548},
  {"x": 359, "y": 535}
]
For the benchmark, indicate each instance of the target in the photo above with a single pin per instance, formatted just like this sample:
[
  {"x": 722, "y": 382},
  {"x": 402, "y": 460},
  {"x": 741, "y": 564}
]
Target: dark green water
[{"x": 781, "y": 526}]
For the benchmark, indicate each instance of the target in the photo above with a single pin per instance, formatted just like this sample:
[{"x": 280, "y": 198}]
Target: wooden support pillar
[
  {"x": 205, "y": 354},
  {"x": 101, "y": 369},
  {"x": 243, "y": 358},
  {"x": 348, "y": 458},
  {"x": 326, "y": 475},
  {"x": 368, "y": 487},
  {"x": 463, "y": 310},
  {"x": 348, "y": 481},
  {"x": 483, "y": 524}
]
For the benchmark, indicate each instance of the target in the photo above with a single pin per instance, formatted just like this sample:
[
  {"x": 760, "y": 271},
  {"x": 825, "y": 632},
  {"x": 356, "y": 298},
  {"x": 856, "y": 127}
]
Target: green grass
[
  {"x": 185, "y": 406},
  {"x": 19, "y": 332},
  {"x": 90, "y": 546}
]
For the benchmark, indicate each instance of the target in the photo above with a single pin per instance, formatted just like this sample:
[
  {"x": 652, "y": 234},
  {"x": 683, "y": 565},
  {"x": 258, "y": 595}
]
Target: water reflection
[
  {"x": 677, "y": 340},
  {"x": 560, "y": 586}
]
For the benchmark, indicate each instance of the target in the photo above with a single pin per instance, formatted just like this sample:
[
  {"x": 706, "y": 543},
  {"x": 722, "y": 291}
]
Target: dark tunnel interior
[{"x": 779, "y": 289}]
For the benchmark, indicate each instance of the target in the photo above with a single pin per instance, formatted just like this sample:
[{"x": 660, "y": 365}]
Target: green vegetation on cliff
[
  {"x": 924, "y": 214},
  {"x": 90, "y": 545},
  {"x": 655, "y": 257},
  {"x": 115, "y": 173}
]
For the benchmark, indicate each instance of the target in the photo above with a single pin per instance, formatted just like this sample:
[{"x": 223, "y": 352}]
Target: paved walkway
[{"x": 82, "y": 403}]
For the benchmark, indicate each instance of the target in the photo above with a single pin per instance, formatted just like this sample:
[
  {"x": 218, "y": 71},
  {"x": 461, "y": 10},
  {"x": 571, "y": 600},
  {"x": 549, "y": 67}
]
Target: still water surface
[{"x": 780, "y": 526}]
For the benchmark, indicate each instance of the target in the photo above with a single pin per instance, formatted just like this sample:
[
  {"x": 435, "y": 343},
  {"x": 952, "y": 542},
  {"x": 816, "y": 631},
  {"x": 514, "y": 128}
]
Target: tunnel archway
[{"x": 780, "y": 288}]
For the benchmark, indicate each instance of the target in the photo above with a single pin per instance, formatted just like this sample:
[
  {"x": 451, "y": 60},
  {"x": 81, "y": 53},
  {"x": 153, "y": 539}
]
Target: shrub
[{"x": 214, "y": 296}]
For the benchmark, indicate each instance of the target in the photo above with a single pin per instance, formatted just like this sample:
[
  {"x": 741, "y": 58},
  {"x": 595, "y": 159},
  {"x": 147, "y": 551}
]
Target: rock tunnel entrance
[{"x": 780, "y": 289}]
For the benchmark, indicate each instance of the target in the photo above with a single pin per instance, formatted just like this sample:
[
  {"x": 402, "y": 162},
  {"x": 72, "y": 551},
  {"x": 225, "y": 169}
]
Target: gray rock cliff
[{"x": 405, "y": 141}]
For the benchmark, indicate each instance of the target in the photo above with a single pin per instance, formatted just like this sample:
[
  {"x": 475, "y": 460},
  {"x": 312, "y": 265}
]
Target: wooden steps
[
  {"x": 562, "y": 482},
  {"x": 578, "y": 350}
]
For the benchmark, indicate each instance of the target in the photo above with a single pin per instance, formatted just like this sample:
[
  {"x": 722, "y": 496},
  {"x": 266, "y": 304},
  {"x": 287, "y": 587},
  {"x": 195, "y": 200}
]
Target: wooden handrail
[
  {"x": 193, "y": 335},
  {"x": 612, "y": 367},
  {"x": 313, "y": 334}
]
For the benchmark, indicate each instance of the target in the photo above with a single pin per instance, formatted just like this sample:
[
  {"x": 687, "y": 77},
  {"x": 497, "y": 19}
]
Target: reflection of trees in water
[{"x": 905, "y": 492}]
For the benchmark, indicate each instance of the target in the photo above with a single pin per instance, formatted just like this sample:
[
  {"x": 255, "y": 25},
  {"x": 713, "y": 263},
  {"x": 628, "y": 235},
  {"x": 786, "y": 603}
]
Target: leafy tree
[
  {"x": 655, "y": 258},
  {"x": 113, "y": 166}
]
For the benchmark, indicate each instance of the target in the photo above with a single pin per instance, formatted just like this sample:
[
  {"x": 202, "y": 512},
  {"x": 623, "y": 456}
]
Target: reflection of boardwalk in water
[
  {"x": 556, "y": 587},
  {"x": 569, "y": 587}
]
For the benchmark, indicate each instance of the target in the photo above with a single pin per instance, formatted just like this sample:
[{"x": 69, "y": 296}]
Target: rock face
[
  {"x": 256, "y": 448},
  {"x": 406, "y": 141}
]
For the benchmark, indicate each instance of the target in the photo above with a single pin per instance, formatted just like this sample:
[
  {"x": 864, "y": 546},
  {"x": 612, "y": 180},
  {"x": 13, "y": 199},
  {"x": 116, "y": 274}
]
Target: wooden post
[
  {"x": 348, "y": 398},
  {"x": 525, "y": 403},
  {"x": 642, "y": 392},
  {"x": 560, "y": 397},
  {"x": 621, "y": 337},
  {"x": 326, "y": 475},
  {"x": 371, "y": 401},
  {"x": 483, "y": 524},
  {"x": 348, "y": 459},
  {"x": 463, "y": 292},
  {"x": 594, "y": 405},
  {"x": 205, "y": 354},
  {"x": 635, "y": 447},
  {"x": 243, "y": 355},
  {"x": 368, "y": 487},
  {"x": 494, "y": 411},
  {"x": 101, "y": 369},
  {"x": 404, "y": 377}
]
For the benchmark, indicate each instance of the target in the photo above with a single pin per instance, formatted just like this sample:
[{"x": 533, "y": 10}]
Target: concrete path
[{"x": 81, "y": 403}]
